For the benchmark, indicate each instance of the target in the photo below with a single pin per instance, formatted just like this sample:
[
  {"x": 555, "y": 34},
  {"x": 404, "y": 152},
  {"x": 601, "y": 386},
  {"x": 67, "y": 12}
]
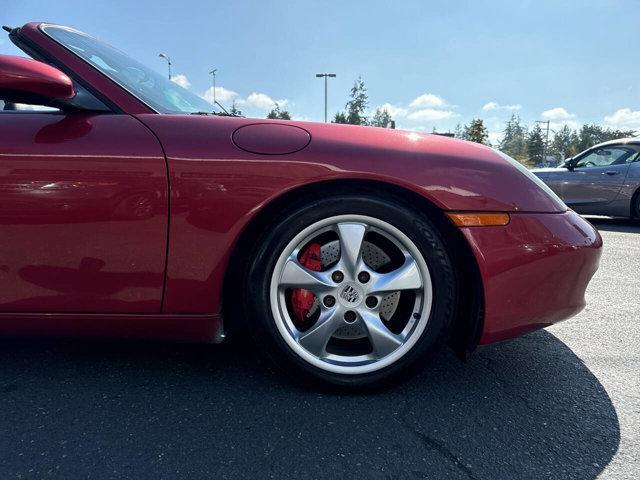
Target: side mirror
[
  {"x": 23, "y": 80},
  {"x": 569, "y": 164}
]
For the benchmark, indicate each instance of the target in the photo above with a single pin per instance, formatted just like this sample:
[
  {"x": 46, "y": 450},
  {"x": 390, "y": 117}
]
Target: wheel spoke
[
  {"x": 315, "y": 339},
  {"x": 351, "y": 237},
  {"x": 383, "y": 340},
  {"x": 295, "y": 275},
  {"x": 407, "y": 277}
]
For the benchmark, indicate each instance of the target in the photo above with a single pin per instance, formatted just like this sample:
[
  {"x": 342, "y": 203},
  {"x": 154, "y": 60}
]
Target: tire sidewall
[{"x": 416, "y": 225}]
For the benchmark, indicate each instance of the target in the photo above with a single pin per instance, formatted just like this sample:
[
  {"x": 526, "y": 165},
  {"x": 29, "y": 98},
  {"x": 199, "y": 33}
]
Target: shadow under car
[{"x": 528, "y": 408}]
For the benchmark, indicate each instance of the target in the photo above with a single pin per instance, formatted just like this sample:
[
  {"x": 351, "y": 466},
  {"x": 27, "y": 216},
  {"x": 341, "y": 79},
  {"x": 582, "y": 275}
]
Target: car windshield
[
  {"x": 602, "y": 157},
  {"x": 155, "y": 90}
]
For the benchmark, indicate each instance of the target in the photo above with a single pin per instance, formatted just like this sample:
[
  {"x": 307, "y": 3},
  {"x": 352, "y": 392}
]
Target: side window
[{"x": 604, "y": 157}]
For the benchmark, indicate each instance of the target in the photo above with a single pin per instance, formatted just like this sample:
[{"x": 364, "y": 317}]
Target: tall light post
[
  {"x": 325, "y": 75},
  {"x": 168, "y": 59},
  {"x": 544, "y": 147},
  {"x": 213, "y": 74}
]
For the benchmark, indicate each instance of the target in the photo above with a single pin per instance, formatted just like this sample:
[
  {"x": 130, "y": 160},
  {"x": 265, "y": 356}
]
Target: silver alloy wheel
[{"x": 350, "y": 294}]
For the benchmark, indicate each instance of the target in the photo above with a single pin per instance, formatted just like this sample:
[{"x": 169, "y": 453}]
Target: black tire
[
  {"x": 413, "y": 223},
  {"x": 635, "y": 206}
]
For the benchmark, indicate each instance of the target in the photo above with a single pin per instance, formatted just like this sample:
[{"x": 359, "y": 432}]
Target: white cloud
[
  {"x": 428, "y": 100},
  {"x": 625, "y": 118},
  {"x": 394, "y": 110},
  {"x": 255, "y": 104},
  {"x": 428, "y": 107},
  {"x": 496, "y": 106},
  {"x": 557, "y": 113},
  {"x": 495, "y": 137},
  {"x": 559, "y": 117},
  {"x": 262, "y": 101},
  {"x": 430, "y": 114},
  {"x": 223, "y": 95},
  {"x": 181, "y": 80}
]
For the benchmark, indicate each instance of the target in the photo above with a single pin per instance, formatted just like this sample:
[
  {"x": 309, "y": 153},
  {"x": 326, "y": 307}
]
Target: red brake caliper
[{"x": 301, "y": 299}]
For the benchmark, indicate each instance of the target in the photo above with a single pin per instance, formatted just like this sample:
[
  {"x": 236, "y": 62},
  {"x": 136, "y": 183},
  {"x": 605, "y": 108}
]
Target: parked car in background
[{"x": 603, "y": 180}]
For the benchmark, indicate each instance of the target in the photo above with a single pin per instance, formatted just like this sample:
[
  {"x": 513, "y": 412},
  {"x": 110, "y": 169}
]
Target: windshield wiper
[{"x": 218, "y": 114}]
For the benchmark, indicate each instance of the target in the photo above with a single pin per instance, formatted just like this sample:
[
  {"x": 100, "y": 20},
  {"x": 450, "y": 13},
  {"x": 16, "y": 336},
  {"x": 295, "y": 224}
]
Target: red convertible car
[{"x": 348, "y": 253}]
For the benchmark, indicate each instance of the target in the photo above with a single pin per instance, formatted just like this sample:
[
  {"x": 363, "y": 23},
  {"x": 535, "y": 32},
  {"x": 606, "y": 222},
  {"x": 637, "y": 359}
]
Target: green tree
[
  {"x": 476, "y": 132},
  {"x": 572, "y": 149},
  {"x": 514, "y": 139},
  {"x": 591, "y": 134},
  {"x": 561, "y": 144},
  {"x": 340, "y": 117},
  {"x": 356, "y": 106},
  {"x": 535, "y": 145},
  {"x": 234, "y": 110},
  {"x": 277, "y": 113},
  {"x": 458, "y": 132},
  {"x": 381, "y": 118}
]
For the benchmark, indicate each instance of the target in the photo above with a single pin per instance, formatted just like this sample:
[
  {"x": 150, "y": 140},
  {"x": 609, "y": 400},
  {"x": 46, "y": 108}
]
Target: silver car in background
[{"x": 603, "y": 180}]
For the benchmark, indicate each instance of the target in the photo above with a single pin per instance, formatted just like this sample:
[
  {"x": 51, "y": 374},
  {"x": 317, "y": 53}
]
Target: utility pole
[
  {"x": 213, "y": 74},
  {"x": 168, "y": 59},
  {"x": 325, "y": 75},
  {"x": 544, "y": 147}
]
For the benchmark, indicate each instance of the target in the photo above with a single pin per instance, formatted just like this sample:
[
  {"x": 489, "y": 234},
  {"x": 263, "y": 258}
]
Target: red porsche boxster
[{"x": 348, "y": 253}]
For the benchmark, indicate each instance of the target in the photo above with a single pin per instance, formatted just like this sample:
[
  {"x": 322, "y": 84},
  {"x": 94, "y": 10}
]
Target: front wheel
[{"x": 351, "y": 291}]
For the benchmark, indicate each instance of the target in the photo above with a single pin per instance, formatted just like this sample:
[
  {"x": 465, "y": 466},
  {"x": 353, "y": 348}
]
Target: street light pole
[
  {"x": 325, "y": 75},
  {"x": 213, "y": 74},
  {"x": 168, "y": 59}
]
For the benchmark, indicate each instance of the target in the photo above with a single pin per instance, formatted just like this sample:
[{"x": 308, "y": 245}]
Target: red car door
[{"x": 83, "y": 214}]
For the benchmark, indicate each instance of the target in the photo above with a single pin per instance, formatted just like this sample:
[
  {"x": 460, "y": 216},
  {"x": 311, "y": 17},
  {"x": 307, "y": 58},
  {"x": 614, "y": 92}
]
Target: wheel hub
[{"x": 351, "y": 295}]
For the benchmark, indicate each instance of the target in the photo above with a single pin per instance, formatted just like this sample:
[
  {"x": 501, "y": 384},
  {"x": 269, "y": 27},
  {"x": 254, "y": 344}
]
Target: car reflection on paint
[{"x": 30, "y": 195}]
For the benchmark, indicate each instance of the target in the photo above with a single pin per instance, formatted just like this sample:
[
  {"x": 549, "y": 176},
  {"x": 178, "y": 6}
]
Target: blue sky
[{"x": 434, "y": 63}]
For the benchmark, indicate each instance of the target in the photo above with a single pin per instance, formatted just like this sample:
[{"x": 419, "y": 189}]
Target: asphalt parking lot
[{"x": 559, "y": 403}]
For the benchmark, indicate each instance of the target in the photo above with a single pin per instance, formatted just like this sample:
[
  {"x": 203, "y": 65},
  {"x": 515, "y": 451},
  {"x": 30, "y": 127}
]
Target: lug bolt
[
  {"x": 337, "y": 276},
  {"x": 329, "y": 301},
  {"x": 364, "y": 277},
  {"x": 371, "y": 302},
  {"x": 350, "y": 316}
]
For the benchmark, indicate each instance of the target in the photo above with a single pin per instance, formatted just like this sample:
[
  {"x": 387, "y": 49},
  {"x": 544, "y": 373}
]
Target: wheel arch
[{"x": 469, "y": 319}]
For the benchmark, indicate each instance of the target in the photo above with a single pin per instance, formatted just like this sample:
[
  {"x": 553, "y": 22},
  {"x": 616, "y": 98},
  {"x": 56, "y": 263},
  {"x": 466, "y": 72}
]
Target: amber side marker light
[{"x": 492, "y": 219}]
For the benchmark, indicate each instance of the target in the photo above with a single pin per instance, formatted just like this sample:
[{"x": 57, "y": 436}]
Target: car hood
[
  {"x": 386, "y": 139},
  {"x": 453, "y": 174},
  {"x": 277, "y": 137}
]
